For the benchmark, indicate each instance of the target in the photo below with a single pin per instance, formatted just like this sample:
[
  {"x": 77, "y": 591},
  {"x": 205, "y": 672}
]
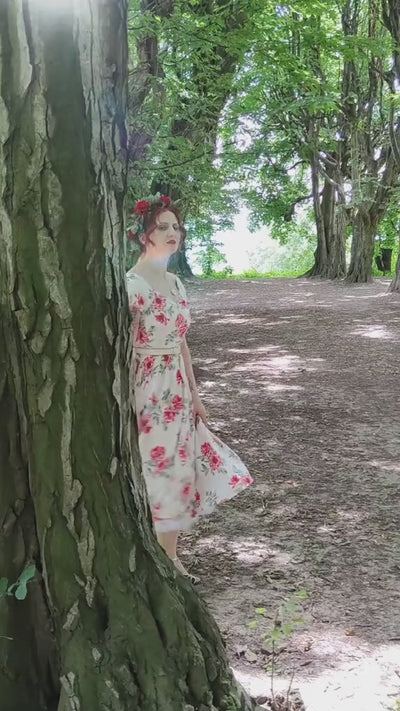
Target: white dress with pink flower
[{"x": 187, "y": 469}]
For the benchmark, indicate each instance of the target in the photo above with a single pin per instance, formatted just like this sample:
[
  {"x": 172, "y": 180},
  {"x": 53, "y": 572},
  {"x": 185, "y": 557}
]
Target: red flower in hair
[
  {"x": 166, "y": 200},
  {"x": 141, "y": 207}
]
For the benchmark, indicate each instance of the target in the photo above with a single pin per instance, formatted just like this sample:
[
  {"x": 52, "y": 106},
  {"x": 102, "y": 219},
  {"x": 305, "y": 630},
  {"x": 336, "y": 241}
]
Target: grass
[{"x": 253, "y": 274}]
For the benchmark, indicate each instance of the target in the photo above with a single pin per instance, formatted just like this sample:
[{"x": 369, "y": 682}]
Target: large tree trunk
[
  {"x": 391, "y": 18},
  {"x": 105, "y": 625},
  {"x": 330, "y": 220},
  {"x": 362, "y": 247}
]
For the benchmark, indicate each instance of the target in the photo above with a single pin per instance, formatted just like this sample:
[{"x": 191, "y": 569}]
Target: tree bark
[
  {"x": 362, "y": 248},
  {"x": 105, "y": 625},
  {"x": 395, "y": 283},
  {"x": 391, "y": 18},
  {"x": 180, "y": 265},
  {"x": 330, "y": 220},
  {"x": 372, "y": 178}
]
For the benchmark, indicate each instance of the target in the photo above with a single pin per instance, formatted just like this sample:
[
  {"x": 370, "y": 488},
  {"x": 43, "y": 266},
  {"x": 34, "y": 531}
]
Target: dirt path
[{"x": 303, "y": 380}]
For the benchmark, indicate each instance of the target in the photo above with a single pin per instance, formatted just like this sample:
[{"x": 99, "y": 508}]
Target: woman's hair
[{"x": 149, "y": 224}]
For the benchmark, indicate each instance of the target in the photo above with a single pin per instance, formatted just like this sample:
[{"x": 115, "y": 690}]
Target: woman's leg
[{"x": 169, "y": 541}]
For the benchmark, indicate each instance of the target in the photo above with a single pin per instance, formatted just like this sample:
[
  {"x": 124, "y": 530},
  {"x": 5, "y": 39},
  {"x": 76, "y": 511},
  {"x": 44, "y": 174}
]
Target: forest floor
[{"x": 302, "y": 379}]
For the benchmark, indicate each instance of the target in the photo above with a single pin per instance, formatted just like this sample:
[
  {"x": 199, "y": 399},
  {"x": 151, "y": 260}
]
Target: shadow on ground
[{"x": 302, "y": 379}]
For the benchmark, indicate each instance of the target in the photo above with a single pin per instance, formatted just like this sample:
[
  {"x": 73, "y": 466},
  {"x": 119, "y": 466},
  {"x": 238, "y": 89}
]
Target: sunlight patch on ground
[
  {"x": 276, "y": 387},
  {"x": 368, "y": 296},
  {"x": 246, "y": 550},
  {"x": 370, "y": 684},
  {"x": 387, "y": 466},
  {"x": 285, "y": 363},
  {"x": 259, "y": 349},
  {"x": 376, "y": 331},
  {"x": 238, "y": 320},
  {"x": 354, "y": 515},
  {"x": 278, "y": 365}
]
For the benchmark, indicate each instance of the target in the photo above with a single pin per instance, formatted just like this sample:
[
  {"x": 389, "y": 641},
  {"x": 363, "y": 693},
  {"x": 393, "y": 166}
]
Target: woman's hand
[{"x": 198, "y": 409}]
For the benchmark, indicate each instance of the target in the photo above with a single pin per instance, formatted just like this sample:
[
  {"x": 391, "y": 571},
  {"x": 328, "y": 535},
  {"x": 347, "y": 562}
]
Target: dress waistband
[{"x": 142, "y": 350}]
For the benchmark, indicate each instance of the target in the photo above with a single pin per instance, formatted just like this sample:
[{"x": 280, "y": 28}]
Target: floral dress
[{"x": 187, "y": 469}]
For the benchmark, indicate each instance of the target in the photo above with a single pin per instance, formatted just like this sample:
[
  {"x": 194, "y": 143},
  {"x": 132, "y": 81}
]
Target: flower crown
[{"x": 140, "y": 212}]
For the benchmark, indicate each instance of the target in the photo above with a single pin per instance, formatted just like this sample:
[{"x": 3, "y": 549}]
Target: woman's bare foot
[{"x": 182, "y": 570}]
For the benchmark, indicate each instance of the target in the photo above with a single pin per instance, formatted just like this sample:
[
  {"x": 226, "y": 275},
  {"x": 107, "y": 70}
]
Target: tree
[
  {"x": 106, "y": 625},
  {"x": 195, "y": 49},
  {"x": 373, "y": 170},
  {"x": 286, "y": 105},
  {"x": 314, "y": 107},
  {"x": 391, "y": 18}
]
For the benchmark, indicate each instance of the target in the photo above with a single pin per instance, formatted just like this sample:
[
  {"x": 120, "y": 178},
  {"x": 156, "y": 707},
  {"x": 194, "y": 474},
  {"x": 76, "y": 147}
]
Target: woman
[{"x": 187, "y": 469}]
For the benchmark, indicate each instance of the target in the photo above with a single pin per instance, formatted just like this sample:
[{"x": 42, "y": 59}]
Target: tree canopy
[{"x": 281, "y": 109}]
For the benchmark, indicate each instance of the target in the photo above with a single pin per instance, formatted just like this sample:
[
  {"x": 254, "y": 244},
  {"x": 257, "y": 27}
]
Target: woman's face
[{"x": 166, "y": 236}]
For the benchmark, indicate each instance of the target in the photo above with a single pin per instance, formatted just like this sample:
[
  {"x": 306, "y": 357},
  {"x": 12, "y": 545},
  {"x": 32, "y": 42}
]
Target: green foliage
[
  {"x": 19, "y": 589},
  {"x": 389, "y": 228},
  {"x": 198, "y": 46},
  {"x": 210, "y": 256},
  {"x": 239, "y": 98},
  {"x": 288, "y": 618},
  {"x": 252, "y": 274}
]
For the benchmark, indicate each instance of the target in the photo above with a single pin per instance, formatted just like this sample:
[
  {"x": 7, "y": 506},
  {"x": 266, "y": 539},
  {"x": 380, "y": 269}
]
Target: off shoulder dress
[{"x": 187, "y": 469}]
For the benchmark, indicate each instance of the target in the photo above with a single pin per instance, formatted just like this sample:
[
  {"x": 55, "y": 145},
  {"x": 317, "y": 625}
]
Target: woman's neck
[{"x": 153, "y": 264}]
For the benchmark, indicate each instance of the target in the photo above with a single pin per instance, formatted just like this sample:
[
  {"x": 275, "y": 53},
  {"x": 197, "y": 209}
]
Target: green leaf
[
  {"x": 21, "y": 591},
  {"x": 275, "y": 635},
  {"x": 303, "y": 595},
  {"x": 287, "y": 629},
  {"x": 27, "y": 574},
  {"x": 260, "y": 610},
  {"x": 252, "y": 624}
]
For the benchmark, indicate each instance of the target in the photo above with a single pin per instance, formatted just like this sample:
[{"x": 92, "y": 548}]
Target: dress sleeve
[{"x": 137, "y": 293}]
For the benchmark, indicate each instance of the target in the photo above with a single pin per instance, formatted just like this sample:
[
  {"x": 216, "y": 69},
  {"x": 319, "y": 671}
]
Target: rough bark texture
[
  {"x": 330, "y": 220},
  {"x": 391, "y": 18},
  {"x": 105, "y": 624},
  {"x": 362, "y": 248},
  {"x": 373, "y": 168}
]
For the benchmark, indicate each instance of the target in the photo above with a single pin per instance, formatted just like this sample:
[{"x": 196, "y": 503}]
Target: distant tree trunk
[
  {"x": 362, "y": 247},
  {"x": 180, "y": 265},
  {"x": 395, "y": 283},
  {"x": 391, "y": 18},
  {"x": 105, "y": 625},
  {"x": 373, "y": 168},
  {"x": 330, "y": 219}
]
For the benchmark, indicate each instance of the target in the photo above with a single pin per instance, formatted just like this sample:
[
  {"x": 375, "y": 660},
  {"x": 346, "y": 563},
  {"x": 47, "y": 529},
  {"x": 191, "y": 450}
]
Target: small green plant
[
  {"x": 19, "y": 589},
  {"x": 288, "y": 618}
]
